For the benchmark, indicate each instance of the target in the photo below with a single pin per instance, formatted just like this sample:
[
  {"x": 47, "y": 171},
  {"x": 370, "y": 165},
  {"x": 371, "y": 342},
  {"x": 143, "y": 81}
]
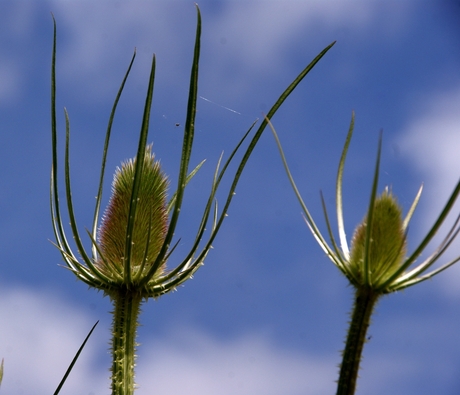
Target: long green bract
[
  {"x": 73, "y": 222},
  {"x": 104, "y": 156},
  {"x": 307, "y": 216},
  {"x": 261, "y": 129},
  {"x": 182, "y": 276},
  {"x": 202, "y": 227},
  {"x": 338, "y": 188},
  {"x": 186, "y": 152},
  {"x": 427, "y": 263},
  {"x": 370, "y": 216},
  {"x": 138, "y": 175}
]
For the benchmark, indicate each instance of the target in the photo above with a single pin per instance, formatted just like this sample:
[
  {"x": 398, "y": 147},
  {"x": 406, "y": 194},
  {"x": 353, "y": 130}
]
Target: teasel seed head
[
  {"x": 387, "y": 240},
  {"x": 151, "y": 220}
]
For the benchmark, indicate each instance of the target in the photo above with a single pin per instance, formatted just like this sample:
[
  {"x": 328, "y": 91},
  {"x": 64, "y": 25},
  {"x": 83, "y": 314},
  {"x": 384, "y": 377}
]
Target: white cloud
[
  {"x": 16, "y": 28},
  {"x": 432, "y": 139},
  {"x": 432, "y": 142},
  {"x": 11, "y": 81},
  {"x": 195, "y": 363},
  {"x": 246, "y": 38},
  {"x": 96, "y": 39},
  {"x": 40, "y": 335}
]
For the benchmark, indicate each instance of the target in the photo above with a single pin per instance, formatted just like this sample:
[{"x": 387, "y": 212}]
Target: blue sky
[{"x": 267, "y": 314}]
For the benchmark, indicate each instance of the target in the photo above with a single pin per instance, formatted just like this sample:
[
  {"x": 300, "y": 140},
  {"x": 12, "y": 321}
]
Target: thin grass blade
[{"x": 74, "y": 360}]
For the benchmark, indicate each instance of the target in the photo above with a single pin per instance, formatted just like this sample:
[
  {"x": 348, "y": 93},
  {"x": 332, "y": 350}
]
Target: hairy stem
[
  {"x": 125, "y": 316},
  {"x": 364, "y": 305}
]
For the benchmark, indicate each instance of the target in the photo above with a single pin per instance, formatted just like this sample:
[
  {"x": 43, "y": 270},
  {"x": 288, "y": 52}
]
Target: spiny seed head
[
  {"x": 151, "y": 220},
  {"x": 387, "y": 243}
]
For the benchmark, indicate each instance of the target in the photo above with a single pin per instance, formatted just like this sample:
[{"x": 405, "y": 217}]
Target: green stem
[
  {"x": 125, "y": 314},
  {"x": 365, "y": 302}
]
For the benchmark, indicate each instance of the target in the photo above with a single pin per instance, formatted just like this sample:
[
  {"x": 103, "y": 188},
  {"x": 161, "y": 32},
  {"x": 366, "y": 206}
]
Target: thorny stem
[
  {"x": 125, "y": 315},
  {"x": 364, "y": 305}
]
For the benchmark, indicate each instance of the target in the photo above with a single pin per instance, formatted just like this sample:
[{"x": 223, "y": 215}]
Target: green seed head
[
  {"x": 387, "y": 243},
  {"x": 151, "y": 220}
]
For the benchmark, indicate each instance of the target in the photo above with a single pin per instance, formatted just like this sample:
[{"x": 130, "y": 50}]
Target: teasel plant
[
  {"x": 377, "y": 262},
  {"x": 132, "y": 244}
]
